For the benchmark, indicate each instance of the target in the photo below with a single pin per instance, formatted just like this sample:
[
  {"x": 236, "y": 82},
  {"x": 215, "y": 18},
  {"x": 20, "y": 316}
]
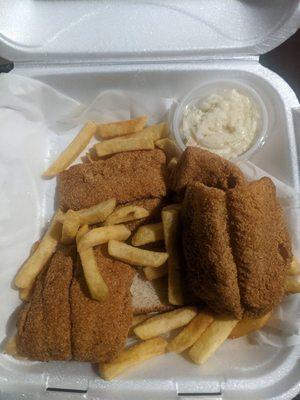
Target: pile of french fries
[{"x": 203, "y": 332}]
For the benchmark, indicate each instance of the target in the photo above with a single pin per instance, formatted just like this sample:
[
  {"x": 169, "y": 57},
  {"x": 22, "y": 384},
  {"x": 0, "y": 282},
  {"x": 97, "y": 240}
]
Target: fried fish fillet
[
  {"x": 44, "y": 328},
  {"x": 128, "y": 177},
  {"x": 100, "y": 329},
  {"x": 210, "y": 267},
  {"x": 260, "y": 243},
  {"x": 198, "y": 165}
]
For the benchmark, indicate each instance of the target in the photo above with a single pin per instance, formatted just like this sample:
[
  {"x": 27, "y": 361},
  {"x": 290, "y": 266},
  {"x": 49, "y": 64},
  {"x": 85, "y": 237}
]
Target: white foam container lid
[{"x": 162, "y": 47}]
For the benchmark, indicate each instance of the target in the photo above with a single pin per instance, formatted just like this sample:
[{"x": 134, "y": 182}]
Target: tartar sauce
[{"x": 225, "y": 123}]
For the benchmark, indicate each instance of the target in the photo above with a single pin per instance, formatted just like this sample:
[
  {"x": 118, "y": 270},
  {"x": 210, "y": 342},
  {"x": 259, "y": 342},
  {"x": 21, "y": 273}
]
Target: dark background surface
[{"x": 284, "y": 60}]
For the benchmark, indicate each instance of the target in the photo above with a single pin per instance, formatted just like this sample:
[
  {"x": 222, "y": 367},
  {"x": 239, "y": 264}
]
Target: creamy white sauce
[{"x": 225, "y": 123}]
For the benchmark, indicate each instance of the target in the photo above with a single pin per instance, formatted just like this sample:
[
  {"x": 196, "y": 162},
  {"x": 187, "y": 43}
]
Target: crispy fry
[
  {"x": 211, "y": 339},
  {"x": 32, "y": 267},
  {"x": 113, "y": 146},
  {"x": 171, "y": 225},
  {"x": 175, "y": 206},
  {"x": 158, "y": 131},
  {"x": 24, "y": 294},
  {"x": 120, "y": 128},
  {"x": 172, "y": 164},
  {"x": 126, "y": 214},
  {"x": 97, "y": 287},
  {"x": 135, "y": 256},
  {"x": 11, "y": 346},
  {"x": 70, "y": 227},
  {"x": 148, "y": 234},
  {"x": 136, "y": 320},
  {"x": 163, "y": 323},
  {"x": 94, "y": 214},
  {"x": 248, "y": 325},
  {"x": 155, "y": 132},
  {"x": 294, "y": 267},
  {"x": 103, "y": 235},
  {"x": 155, "y": 273},
  {"x": 292, "y": 286},
  {"x": 73, "y": 150},
  {"x": 169, "y": 147},
  {"x": 191, "y": 333},
  {"x": 133, "y": 356},
  {"x": 97, "y": 213}
]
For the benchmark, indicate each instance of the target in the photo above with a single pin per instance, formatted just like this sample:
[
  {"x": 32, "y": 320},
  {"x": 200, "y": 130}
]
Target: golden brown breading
[
  {"x": 211, "y": 270},
  {"x": 260, "y": 243},
  {"x": 100, "y": 328},
  {"x": 44, "y": 323},
  {"x": 198, "y": 165},
  {"x": 129, "y": 176}
]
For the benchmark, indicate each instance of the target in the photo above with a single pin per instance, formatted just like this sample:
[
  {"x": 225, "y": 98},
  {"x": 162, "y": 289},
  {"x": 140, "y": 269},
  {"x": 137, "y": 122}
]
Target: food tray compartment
[{"x": 238, "y": 368}]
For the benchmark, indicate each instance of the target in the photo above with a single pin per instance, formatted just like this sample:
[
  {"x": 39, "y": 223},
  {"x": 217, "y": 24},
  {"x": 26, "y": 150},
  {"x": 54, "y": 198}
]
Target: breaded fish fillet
[
  {"x": 198, "y": 165},
  {"x": 210, "y": 267},
  {"x": 128, "y": 177},
  {"x": 260, "y": 244},
  {"x": 100, "y": 328},
  {"x": 44, "y": 329}
]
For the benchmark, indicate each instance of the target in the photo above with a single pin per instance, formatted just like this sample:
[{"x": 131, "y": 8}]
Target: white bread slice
[{"x": 149, "y": 296}]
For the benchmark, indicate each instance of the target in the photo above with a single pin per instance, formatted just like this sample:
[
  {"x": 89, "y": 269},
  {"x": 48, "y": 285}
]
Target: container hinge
[{"x": 200, "y": 396}]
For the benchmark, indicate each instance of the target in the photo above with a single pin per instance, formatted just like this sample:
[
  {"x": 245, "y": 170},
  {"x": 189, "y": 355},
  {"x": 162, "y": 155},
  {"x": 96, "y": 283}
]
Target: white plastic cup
[{"x": 198, "y": 95}]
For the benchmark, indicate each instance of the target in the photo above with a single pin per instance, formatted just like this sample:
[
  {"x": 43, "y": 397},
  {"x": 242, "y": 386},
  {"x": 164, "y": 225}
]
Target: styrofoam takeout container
[
  {"x": 196, "y": 97},
  {"x": 165, "y": 48}
]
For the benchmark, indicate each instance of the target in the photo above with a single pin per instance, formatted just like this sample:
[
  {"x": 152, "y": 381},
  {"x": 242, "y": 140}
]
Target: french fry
[
  {"x": 133, "y": 356},
  {"x": 120, "y": 128},
  {"x": 155, "y": 132},
  {"x": 114, "y": 146},
  {"x": 70, "y": 227},
  {"x": 172, "y": 164},
  {"x": 11, "y": 347},
  {"x": 97, "y": 213},
  {"x": 73, "y": 150},
  {"x": 155, "y": 273},
  {"x": 292, "y": 286},
  {"x": 163, "y": 323},
  {"x": 171, "y": 226},
  {"x": 211, "y": 339},
  {"x": 136, "y": 320},
  {"x": 103, "y": 235},
  {"x": 135, "y": 256},
  {"x": 248, "y": 325},
  {"x": 294, "y": 267},
  {"x": 158, "y": 131},
  {"x": 97, "y": 287},
  {"x": 126, "y": 214},
  {"x": 191, "y": 333},
  {"x": 148, "y": 234},
  {"x": 47, "y": 246},
  {"x": 169, "y": 147},
  {"x": 170, "y": 207},
  {"x": 25, "y": 294}
]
